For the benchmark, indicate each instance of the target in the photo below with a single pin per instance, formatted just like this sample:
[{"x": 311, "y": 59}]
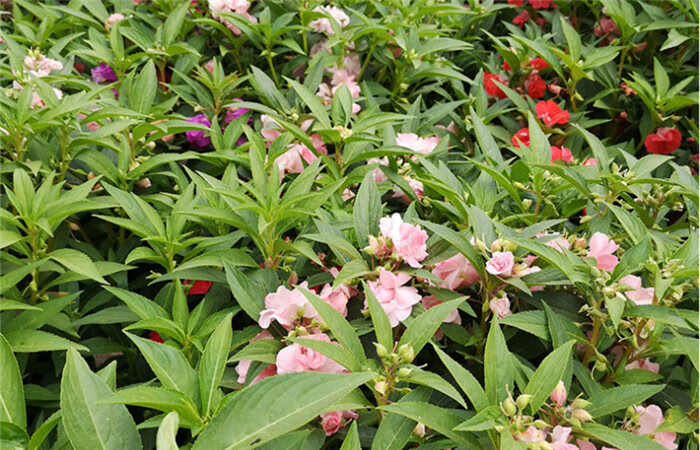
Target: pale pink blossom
[
  {"x": 231, "y": 6},
  {"x": 456, "y": 272},
  {"x": 501, "y": 264},
  {"x": 590, "y": 162},
  {"x": 532, "y": 435},
  {"x": 417, "y": 144},
  {"x": 415, "y": 185},
  {"x": 285, "y": 306},
  {"x": 588, "y": 445},
  {"x": 649, "y": 420},
  {"x": 323, "y": 25},
  {"x": 558, "y": 243},
  {"x": 558, "y": 395},
  {"x": 377, "y": 173},
  {"x": 396, "y": 299},
  {"x": 271, "y": 128},
  {"x": 297, "y": 358},
  {"x": 112, "y": 19},
  {"x": 209, "y": 66},
  {"x": 409, "y": 241},
  {"x": 638, "y": 294},
  {"x": 560, "y": 438},
  {"x": 602, "y": 249},
  {"x": 337, "y": 298},
  {"x": 453, "y": 317},
  {"x": 41, "y": 66},
  {"x": 333, "y": 421},
  {"x": 500, "y": 307},
  {"x": 644, "y": 364},
  {"x": 243, "y": 365}
]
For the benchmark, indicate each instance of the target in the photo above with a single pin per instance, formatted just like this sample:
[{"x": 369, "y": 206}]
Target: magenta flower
[
  {"x": 197, "y": 138},
  {"x": 234, "y": 113},
  {"x": 103, "y": 73}
]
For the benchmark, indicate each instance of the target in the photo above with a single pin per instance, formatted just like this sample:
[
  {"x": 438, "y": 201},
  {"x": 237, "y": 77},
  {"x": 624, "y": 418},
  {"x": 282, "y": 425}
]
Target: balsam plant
[{"x": 404, "y": 224}]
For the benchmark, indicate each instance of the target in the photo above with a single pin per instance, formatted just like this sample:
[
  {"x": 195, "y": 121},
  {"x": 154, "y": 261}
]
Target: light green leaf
[
  {"x": 466, "y": 381},
  {"x": 12, "y": 407},
  {"x": 213, "y": 363},
  {"x": 548, "y": 374},
  {"x": 423, "y": 327},
  {"x": 620, "y": 397},
  {"x": 498, "y": 369},
  {"x": 165, "y": 439},
  {"x": 77, "y": 262}
]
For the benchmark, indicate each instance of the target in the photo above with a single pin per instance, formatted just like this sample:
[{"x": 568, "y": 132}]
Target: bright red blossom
[
  {"x": 155, "y": 337},
  {"x": 199, "y": 287},
  {"x": 491, "y": 88},
  {"x": 540, "y": 4},
  {"x": 535, "y": 86},
  {"x": 664, "y": 141},
  {"x": 561, "y": 153},
  {"x": 523, "y": 135},
  {"x": 515, "y": 2},
  {"x": 551, "y": 113},
  {"x": 538, "y": 63},
  {"x": 521, "y": 18}
]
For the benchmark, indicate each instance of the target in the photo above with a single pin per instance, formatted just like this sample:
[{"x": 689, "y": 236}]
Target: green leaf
[
  {"x": 487, "y": 143},
  {"x": 43, "y": 431},
  {"x": 434, "y": 381},
  {"x": 12, "y": 407},
  {"x": 143, "y": 89},
  {"x": 32, "y": 341},
  {"x": 573, "y": 39},
  {"x": 158, "y": 398},
  {"x": 88, "y": 424},
  {"x": 331, "y": 350},
  {"x": 395, "y": 430},
  {"x": 466, "y": 381},
  {"x": 352, "y": 440},
  {"x": 380, "y": 321},
  {"x": 484, "y": 420},
  {"x": 620, "y": 439},
  {"x": 248, "y": 295},
  {"x": 213, "y": 363},
  {"x": 599, "y": 151},
  {"x": 632, "y": 259},
  {"x": 264, "y": 350},
  {"x": 170, "y": 366},
  {"x": 498, "y": 369},
  {"x": 143, "y": 307},
  {"x": 167, "y": 431},
  {"x": 275, "y": 406},
  {"x": 343, "y": 332},
  {"x": 462, "y": 244},
  {"x": 619, "y": 398},
  {"x": 367, "y": 210},
  {"x": 312, "y": 102},
  {"x": 352, "y": 270},
  {"x": 439, "y": 419},
  {"x": 13, "y": 436},
  {"x": 550, "y": 371},
  {"x": 77, "y": 262},
  {"x": 422, "y": 328}
]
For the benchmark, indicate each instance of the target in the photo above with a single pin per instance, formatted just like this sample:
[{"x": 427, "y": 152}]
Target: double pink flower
[{"x": 396, "y": 299}]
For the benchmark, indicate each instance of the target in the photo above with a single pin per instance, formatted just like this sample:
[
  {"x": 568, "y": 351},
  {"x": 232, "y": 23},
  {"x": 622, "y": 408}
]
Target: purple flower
[
  {"x": 103, "y": 73},
  {"x": 234, "y": 113},
  {"x": 196, "y": 138}
]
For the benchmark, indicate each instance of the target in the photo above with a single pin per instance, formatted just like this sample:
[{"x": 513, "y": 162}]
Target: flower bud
[
  {"x": 582, "y": 415},
  {"x": 510, "y": 407},
  {"x": 404, "y": 372},
  {"x": 497, "y": 245},
  {"x": 523, "y": 400},
  {"x": 406, "y": 353},
  {"x": 540, "y": 424},
  {"x": 558, "y": 395},
  {"x": 381, "y": 387},
  {"x": 381, "y": 350},
  {"x": 580, "y": 403},
  {"x": 419, "y": 430}
]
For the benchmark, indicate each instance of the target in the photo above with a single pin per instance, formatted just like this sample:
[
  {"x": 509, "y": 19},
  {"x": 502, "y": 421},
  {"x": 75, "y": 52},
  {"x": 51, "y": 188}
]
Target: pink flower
[
  {"x": 338, "y": 298},
  {"x": 453, "y": 317},
  {"x": 114, "y": 18},
  {"x": 590, "y": 162},
  {"x": 235, "y": 112},
  {"x": 602, "y": 249},
  {"x": 561, "y": 154},
  {"x": 521, "y": 136},
  {"x": 532, "y": 435},
  {"x": 209, "y": 66},
  {"x": 41, "y": 66},
  {"x": 588, "y": 445},
  {"x": 227, "y": 6},
  {"x": 649, "y": 420},
  {"x": 456, "y": 272},
  {"x": 396, "y": 299},
  {"x": 644, "y": 364},
  {"x": 551, "y": 113},
  {"x": 408, "y": 240},
  {"x": 243, "y": 365},
  {"x": 638, "y": 294},
  {"x": 377, "y": 173},
  {"x": 501, "y": 264},
  {"x": 415, "y": 185},
  {"x": 284, "y": 306},
  {"x": 333, "y": 421},
  {"x": 420, "y": 145},
  {"x": 558, "y": 243},
  {"x": 324, "y": 25},
  {"x": 271, "y": 129},
  {"x": 558, "y": 395},
  {"x": 560, "y": 438},
  {"x": 500, "y": 307},
  {"x": 297, "y": 358}
]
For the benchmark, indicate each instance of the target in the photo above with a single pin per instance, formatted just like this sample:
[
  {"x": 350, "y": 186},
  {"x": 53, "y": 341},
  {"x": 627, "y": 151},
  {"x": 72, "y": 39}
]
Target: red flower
[
  {"x": 523, "y": 135},
  {"x": 664, "y": 141},
  {"x": 515, "y": 2},
  {"x": 535, "y": 86},
  {"x": 506, "y": 66},
  {"x": 155, "y": 337},
  {"x": 199, "y": 287},
  {"x": 491, "y": 88},
  {"x": 561, "y": 153},
  {"x": 551, "y": 113},
  {"x": 521, "y": 18},
  {"x": 538, "y": 63},
  {"x": 540, "y": 4}
]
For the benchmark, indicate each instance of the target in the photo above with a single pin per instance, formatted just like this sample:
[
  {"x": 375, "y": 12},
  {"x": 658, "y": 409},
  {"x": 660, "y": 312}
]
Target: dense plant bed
[{"x": 385, "y": 224}]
